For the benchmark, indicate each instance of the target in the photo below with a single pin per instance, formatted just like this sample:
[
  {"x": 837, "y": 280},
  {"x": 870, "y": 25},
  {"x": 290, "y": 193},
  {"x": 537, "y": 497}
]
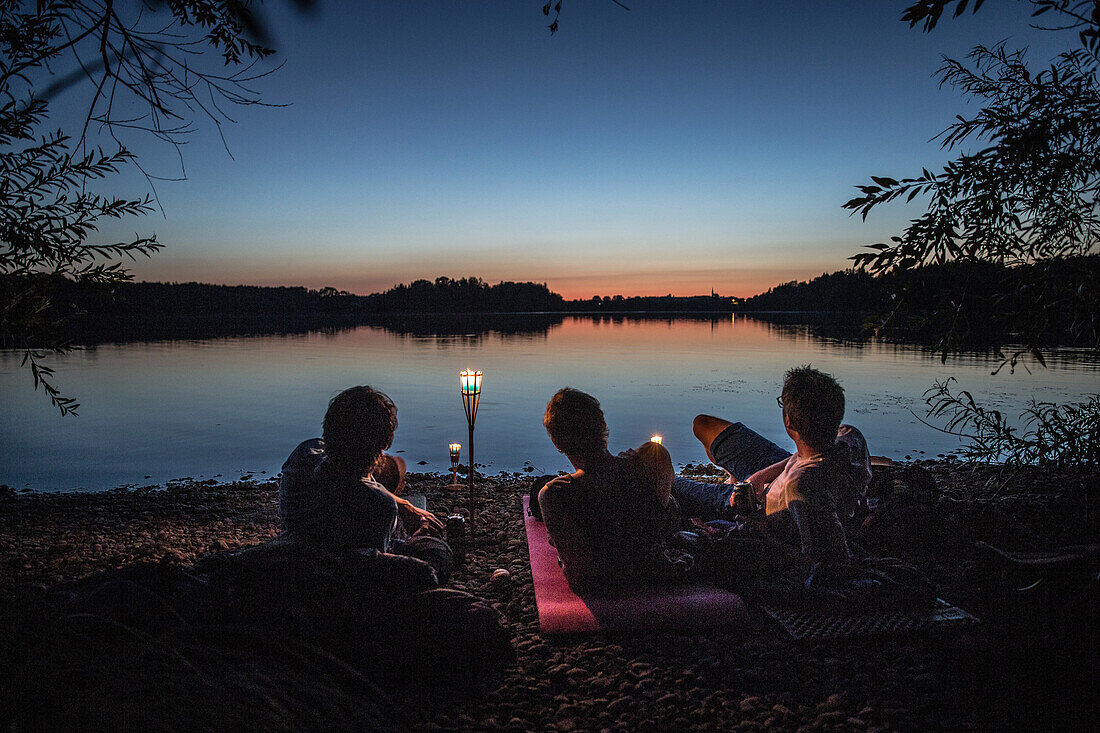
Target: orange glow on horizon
[
  {"x": 740, "y": 284},
  {"x": 727, "y": 282}
]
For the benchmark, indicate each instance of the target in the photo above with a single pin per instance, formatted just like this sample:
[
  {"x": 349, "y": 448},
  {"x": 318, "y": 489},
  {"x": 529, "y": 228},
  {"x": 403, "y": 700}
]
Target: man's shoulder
[
  {"x": 369, "y": 486},
  {"x": 560, "y": 490},
  {"x": 852, "y": 435},
  {"x": 649, "y": 455},
  {"x": 812, "y": 479},
  {"x": 310, "y": 446},
  {"x": 305, "y": 457},
  {"x": 560, "y": 484},
  {"x": 298, "y": 485}
]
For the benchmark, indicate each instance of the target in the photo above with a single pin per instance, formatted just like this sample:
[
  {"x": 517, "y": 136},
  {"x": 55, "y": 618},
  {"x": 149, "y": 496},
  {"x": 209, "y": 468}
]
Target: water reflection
[
  {"x": 93, "y": 333},
  {"x": 472, "y": 328},
  {"x": 172, "y": 408},
  {"x": 830, "y": 329}
]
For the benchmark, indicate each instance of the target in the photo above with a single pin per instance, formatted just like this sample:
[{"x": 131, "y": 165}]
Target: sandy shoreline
[{"x": 749, "y": 679}]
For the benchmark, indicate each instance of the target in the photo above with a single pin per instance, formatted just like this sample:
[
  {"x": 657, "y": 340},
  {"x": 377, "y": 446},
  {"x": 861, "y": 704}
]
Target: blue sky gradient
[{"x": 677, "y": 147}]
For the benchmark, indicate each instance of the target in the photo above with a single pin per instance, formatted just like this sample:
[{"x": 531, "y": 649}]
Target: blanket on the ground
[{"x": 682, "y": 607}]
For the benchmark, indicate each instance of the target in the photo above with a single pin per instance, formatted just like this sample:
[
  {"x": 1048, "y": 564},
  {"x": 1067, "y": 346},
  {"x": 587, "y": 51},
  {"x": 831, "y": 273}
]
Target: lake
[{"x": 223, "y": 407}]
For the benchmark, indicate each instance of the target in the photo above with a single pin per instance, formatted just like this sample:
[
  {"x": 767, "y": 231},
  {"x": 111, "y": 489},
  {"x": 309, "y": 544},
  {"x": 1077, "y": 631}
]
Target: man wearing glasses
[{"x": 803, "y": 493}]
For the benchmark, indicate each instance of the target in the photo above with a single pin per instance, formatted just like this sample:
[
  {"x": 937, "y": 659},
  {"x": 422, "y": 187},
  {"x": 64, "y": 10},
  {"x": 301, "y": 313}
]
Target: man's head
[
  {"x": 813, "y": 405},
  {"x": 359, "y": 425},
  {"x": 575, "y": 423}
]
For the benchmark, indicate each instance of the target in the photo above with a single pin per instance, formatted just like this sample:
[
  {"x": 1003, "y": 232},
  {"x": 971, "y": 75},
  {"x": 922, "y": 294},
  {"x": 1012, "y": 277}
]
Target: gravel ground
[{"x": 979, "y": 678}]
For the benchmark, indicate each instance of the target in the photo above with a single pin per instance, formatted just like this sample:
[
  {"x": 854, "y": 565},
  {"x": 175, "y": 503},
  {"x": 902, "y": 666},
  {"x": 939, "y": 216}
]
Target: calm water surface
[{"x": 222, "y": 407}]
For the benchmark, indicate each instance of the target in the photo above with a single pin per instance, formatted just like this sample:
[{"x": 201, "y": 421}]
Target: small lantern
[
  {"x": 455, "y": 449},
  {"x": 656, "y": 439},
  {"x": 470, "y": 386}
]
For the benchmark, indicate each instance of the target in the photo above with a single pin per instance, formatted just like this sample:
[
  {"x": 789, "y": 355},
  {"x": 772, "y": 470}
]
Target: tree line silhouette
[
  {"x": 994, "y": 297},
  {"x": 465, "y": 295},
  {"x": 986, "y": 301}
]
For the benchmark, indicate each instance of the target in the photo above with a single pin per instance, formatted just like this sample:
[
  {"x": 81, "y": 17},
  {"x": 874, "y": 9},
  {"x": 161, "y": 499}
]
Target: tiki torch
[
  {"x": 470, "y": 382},
  {"x": 454, "y": 448}
]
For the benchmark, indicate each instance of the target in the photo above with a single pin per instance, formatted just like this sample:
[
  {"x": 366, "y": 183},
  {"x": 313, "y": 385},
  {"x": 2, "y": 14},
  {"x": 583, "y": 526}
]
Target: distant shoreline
[
  {"x": 90, "y": 330},
  {"x": 93, "y": 331}
]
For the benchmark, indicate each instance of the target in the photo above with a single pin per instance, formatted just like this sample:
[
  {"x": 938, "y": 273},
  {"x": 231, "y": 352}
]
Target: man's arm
[
  {"x": 298, "y": 493},
  {"x": 413, "y": 517},
  {"x": 578, "y": 562},
  {"x": 765, "y": 476},
  {"x": 390, "y": 473}
]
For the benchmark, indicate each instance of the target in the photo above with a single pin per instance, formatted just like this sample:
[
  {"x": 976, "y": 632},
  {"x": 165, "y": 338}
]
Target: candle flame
[{"x": 470, "y": 381}]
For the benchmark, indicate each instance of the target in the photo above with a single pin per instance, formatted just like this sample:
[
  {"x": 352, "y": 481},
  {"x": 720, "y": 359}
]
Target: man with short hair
[
  {"x": 803, "y": 493},
  {"x": 341, "y": 492},
  {"x": 605, "y": 518}
]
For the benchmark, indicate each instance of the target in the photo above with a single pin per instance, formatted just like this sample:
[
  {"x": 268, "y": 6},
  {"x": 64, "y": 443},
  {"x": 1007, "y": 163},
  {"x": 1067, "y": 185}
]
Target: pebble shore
[{"x": 754, "y": 678}]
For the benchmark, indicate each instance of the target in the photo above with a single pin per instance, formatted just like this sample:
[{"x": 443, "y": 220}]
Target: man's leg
[
  {"x": 706, "y": 429},
  {"x": 740, "y": 450},
  {"x": 696, "y": 498},
  {"x": 431, "y": 550},
  {"x": 734, "y": 447},
  {"x": 702, "y": 500}
]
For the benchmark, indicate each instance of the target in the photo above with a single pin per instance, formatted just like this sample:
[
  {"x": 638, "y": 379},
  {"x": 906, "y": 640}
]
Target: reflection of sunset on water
[
  {"x": 223, "y": 406},
  {"x": 668, "y": 332}
]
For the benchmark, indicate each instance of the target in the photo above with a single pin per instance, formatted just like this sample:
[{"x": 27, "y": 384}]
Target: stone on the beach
[
  {"x": 500, "y": 576},
  {"x": 653, "y": 682}
]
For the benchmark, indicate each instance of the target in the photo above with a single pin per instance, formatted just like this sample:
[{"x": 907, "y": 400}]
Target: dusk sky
[{"x": 674, "y": 148}]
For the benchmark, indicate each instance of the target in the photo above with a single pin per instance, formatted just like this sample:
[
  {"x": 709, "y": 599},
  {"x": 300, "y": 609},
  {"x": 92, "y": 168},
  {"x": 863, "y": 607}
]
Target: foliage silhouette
[
  {"x": 993, "y": 299},
  {"x": 153, "y": 68},
  {"x": 1026, "y": 198},
  {"x": 465, "y": 295},
  {"x": 1065, "y": 434}
]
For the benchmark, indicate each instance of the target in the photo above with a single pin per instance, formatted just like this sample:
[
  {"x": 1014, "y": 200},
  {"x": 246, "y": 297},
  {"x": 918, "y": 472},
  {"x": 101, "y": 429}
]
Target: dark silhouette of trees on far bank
[
  {"x": 181, "y": 310},
  {"x": 465, "y": 295},
  {"x": 976, "y": 302}
]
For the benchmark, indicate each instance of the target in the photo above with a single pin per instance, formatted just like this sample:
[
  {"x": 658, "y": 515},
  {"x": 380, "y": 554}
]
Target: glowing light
[
  {"x": 471, "y": 382},
  {"x": 656, "y": 439},
  {"x": 454, "y": 448}
]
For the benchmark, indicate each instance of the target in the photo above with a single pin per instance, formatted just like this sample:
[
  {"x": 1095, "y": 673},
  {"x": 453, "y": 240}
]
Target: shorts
[
  {"x": 739, "y": 450},
  {"x": 743, "y": 451}
]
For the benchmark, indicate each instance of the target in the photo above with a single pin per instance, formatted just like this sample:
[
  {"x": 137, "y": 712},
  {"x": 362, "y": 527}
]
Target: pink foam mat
[{"x": 679, "y": 608}]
